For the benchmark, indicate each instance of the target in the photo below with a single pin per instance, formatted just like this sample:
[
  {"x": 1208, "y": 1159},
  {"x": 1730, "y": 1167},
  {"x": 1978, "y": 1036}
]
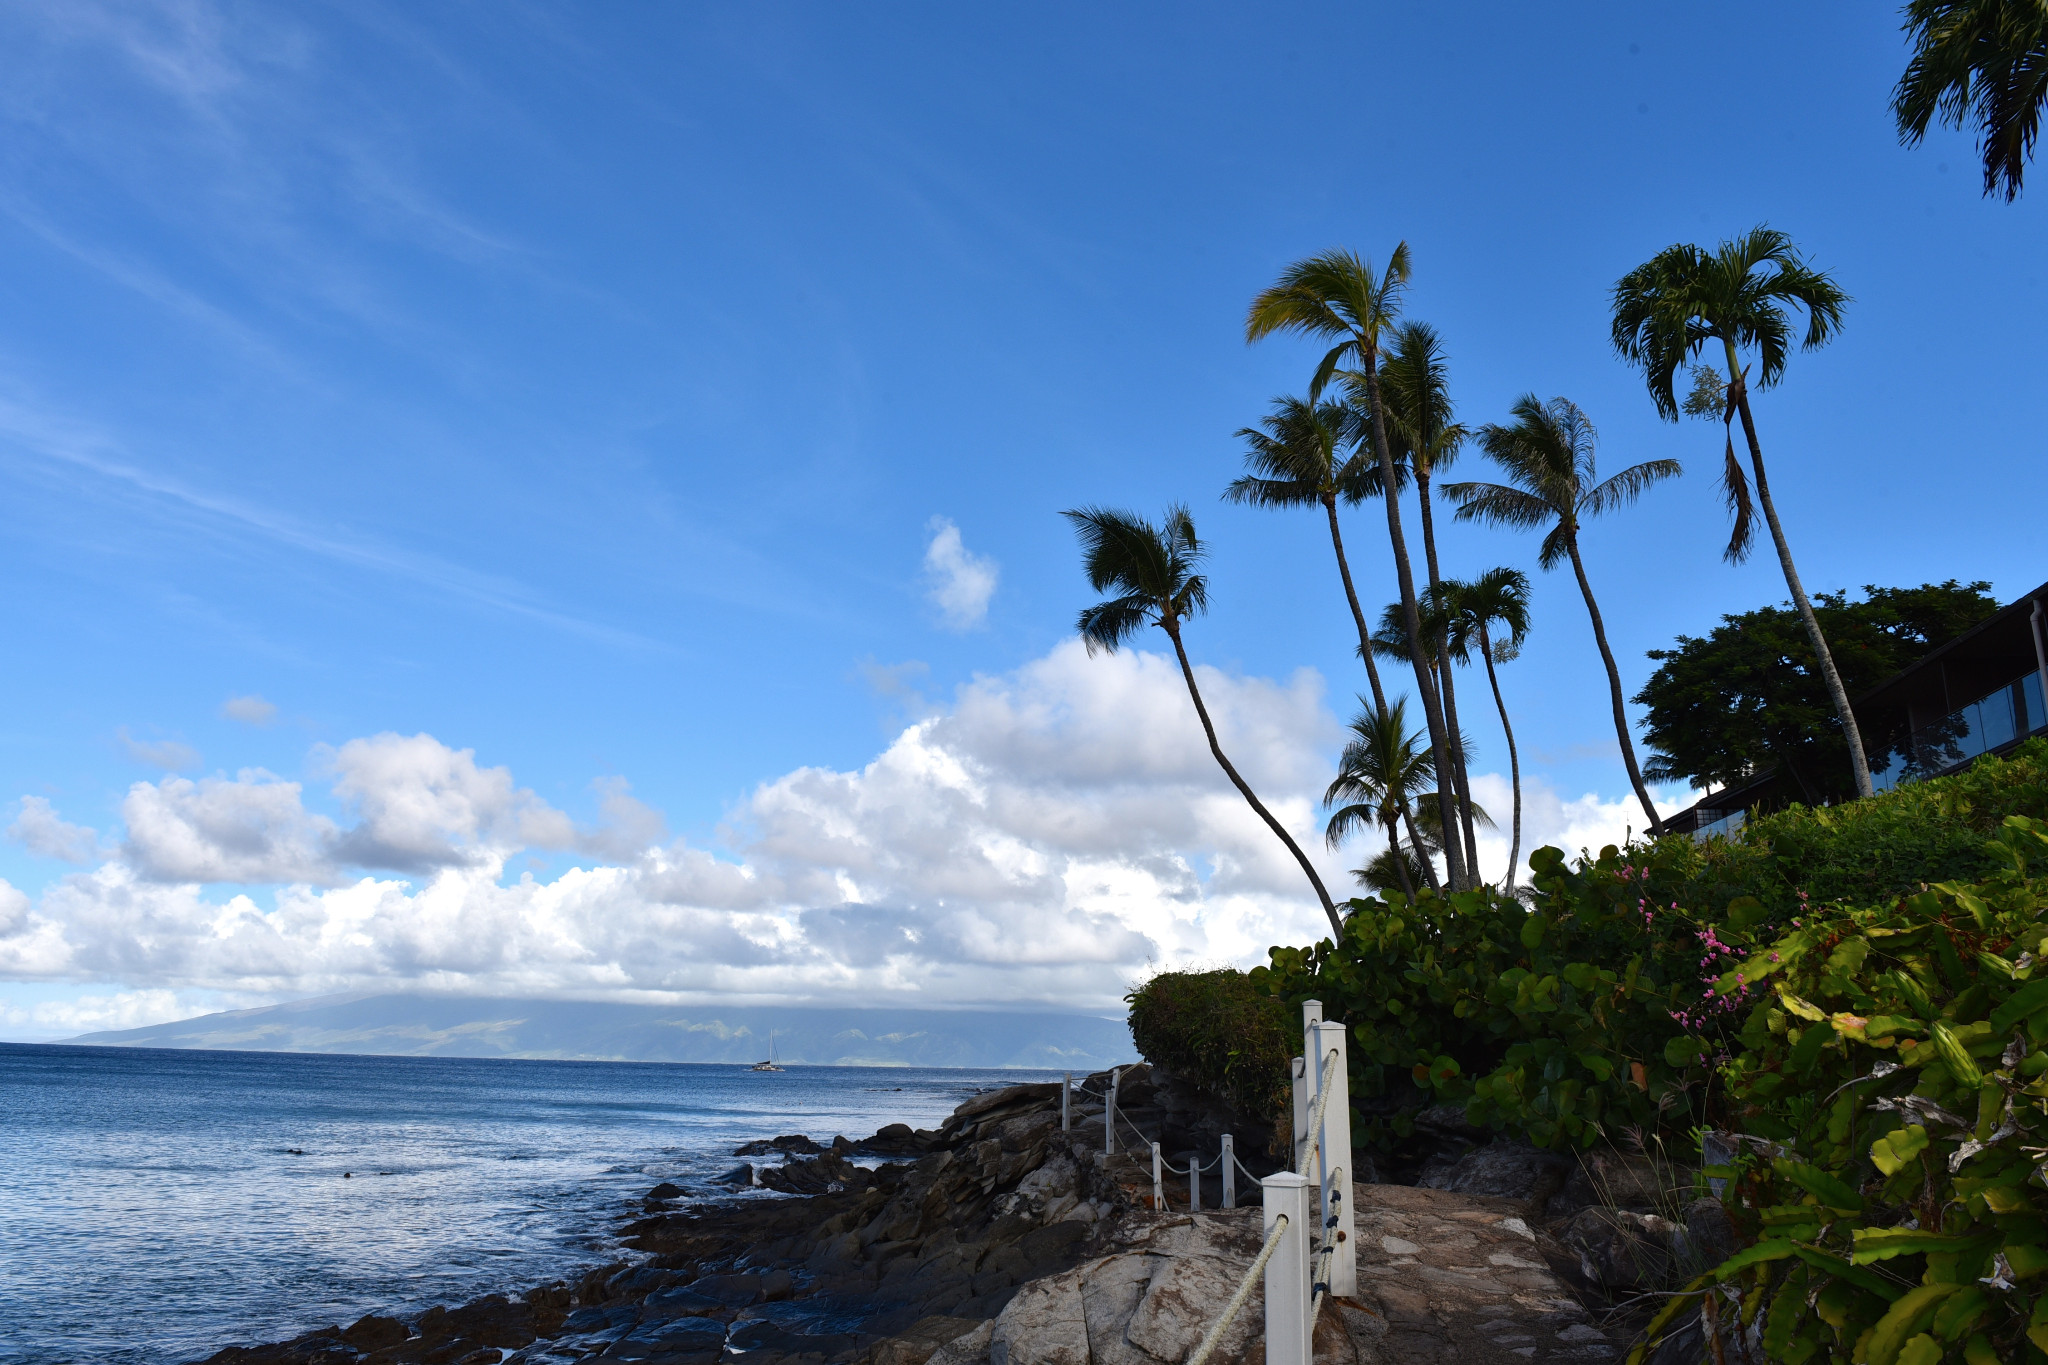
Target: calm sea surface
[{"x": 152, "y": 1209}]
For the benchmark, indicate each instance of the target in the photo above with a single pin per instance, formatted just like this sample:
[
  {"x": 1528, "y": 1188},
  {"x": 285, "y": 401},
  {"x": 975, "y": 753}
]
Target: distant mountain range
[{"x": 454, "y": 1026}]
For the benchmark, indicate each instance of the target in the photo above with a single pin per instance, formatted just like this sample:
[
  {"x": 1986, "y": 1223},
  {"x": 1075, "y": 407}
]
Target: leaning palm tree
[
  {"x": 1415, "y": 389},
  {"x": 1380, "y": 771},
  {"x": 1981, "y": 60},
  {"x": 1297, "y": 461},
  {"x": 1340, "y": 297},
  {"x": 1498, "y": 596},
  {"x": 1151, "y": 569},
  {"x": 1682, "y": 300},
  {"x": 1548, "y": 456}
]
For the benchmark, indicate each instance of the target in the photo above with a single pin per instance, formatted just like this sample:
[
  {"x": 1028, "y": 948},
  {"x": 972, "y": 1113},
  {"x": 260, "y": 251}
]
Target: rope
[
  {"x": 1315, "y": 1123},
  {"x": 1244, "y": 1289},
  {"x": 1242, "y": 1167}
]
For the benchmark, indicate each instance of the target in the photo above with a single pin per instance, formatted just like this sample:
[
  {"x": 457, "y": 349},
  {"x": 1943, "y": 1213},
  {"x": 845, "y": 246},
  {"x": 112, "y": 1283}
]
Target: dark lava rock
[
  {"x": 1711, "y": 1234},
  {"x": 733, "y": 1291},
  {"x": 829, "y": 1173},
  {"x": 897, "y": 1139},
  {"x": 1503, "y": 1169},
  {"x": 665, "y": 1190},
  {"x": 742, "y": 1174},
  {"x": 796, "y": 1144},
  {"x": 671, "y": 1341},
  {"x": 680, "y": 1303},
  {"x": 1621, "y": 1250},
  {"x": 1618, "y": 1180},
  {"x": 601, "y": 1318},
  {"x": 372, "y": 1333}
]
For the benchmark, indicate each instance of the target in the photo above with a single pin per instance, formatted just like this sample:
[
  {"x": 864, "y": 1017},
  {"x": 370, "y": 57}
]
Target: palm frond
[
  {"x": 1107, "y": 625},
  {"x": 1499, "y": 505},
  {"x": 1735, "y": 488},
  {"x": 1625, "y": 487},
  {"x": 1977, "y": 60}
]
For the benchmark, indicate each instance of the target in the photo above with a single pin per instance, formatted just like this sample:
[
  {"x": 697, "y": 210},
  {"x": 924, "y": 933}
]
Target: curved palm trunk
[
  {"x": 1400, "y": 860},
  {"x": 1859, "y": 765},
  {"x": 1422, "y": 857},
  {"x": 1461, "y": 780},
  {"x": 1628, "y": 748},
  {"x": 1514, "y": 762},
  {"x": 1432, "y": 705},
  {"x": 1372, "y": 672},
  {"x": 1208, "y": 728}
]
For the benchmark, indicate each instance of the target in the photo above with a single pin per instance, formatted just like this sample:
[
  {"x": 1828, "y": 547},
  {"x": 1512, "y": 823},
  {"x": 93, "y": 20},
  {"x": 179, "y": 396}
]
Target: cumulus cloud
[
  {"x": 1048, "y": 836},
  {"x": 957, "y": 581},
  {"x": 40, "y": 830},
  {"x": 167, "y": 754},
  {"x": 250, "y": 710},
  {"x": 1045, "y": 838}
]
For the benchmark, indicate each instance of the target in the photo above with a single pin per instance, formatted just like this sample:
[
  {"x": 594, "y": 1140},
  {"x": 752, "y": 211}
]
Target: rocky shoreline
[{"x": 999, "y": 1239}]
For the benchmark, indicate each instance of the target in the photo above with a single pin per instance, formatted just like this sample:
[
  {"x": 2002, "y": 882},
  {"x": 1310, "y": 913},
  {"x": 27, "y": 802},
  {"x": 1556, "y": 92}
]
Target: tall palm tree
[
  {"x": 1297, "y": 461},
  {"x": 1981, "y": 60},
  {"x": 1380, "y": 771},
  {"x": 1498, "y": 596},
  {"x": 1415, "y": 388},
  {"x": 1683, "y": 299},
  {"x": 1151, "y": 569},
  {"x": 1339, "y": 296},
  {"x": 1548, "y": 456}
]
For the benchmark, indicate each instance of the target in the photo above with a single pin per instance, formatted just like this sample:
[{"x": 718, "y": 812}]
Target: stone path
[{"x": 1444, "y": 1277}]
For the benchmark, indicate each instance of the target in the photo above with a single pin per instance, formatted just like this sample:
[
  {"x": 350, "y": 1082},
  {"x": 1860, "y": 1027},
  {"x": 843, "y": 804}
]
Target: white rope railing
[{"x": 1244, "y": 1290}]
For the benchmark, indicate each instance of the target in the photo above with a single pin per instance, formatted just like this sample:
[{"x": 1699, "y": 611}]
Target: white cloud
[
  {"x": 957, "y": 581},
  {"x": 250, "y": 829},
  {"x": 250, "y": 710},
  {"x": 1045, "y": 838},
  {"x": 1049, "y": 836},
  {"x": 167, "y": 754},
  {"x": 42, "y": 831}
]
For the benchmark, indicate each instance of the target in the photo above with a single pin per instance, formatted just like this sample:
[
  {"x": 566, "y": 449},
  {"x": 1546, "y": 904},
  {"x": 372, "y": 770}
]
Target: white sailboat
[{"x": 768, "y": 1065}]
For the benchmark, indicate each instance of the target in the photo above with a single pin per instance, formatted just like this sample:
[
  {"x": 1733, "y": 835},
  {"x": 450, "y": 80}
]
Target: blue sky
[{"x": 579, "y": 385}]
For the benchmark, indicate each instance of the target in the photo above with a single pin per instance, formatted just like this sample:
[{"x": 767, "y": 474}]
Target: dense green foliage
[
  {"x": 1890, "y": 1078},
  {"x": 1748, "y": 697},
  {"x": 1221, "y": 1032}
]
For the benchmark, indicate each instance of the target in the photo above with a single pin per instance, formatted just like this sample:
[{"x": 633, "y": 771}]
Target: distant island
[{"x": 459, "y": 1026}]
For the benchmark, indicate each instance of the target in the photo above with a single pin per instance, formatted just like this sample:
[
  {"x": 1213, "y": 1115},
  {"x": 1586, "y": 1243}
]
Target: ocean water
[{"x": 156, "y": 1205}]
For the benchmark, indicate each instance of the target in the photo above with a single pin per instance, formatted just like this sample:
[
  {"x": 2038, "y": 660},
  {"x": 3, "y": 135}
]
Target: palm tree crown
[
  {"x": 1985, "y": 60},
  {"x": 1297, "y": 460},
  {"x": 1684, "y": 297},
  {"x": 1548, "y": 453},
  {"x": 1151, "y": 569},
  {"x": 1336, "y": 294}
]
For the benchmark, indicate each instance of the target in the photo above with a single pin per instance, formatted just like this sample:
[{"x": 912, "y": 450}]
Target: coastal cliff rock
[{"x": 999, "y": 1239}]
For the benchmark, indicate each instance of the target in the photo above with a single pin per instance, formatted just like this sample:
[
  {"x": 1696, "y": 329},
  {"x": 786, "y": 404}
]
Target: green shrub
[
  {"x": 1892, "y": 1082},
  {"x": 1216, "y": 1030}
]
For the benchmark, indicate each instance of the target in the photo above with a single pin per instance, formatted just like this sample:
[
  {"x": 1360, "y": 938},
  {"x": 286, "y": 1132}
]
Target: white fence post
[
  {"x": 1158, "y": 1185},
  {"x": 1109, "y": 1115},
  {"x": 1300, "y": 1078},
  {"x": 1333, "y": 1172},
  {"x": 1067, "y": 1104},
  {"x": 1229, "y": 1172},
  {"x": 1288, "y": 1330}
]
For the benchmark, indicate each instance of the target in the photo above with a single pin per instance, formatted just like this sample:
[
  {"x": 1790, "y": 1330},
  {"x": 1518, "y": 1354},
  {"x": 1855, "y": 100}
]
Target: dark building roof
[{"x": 1982, "y": 692}]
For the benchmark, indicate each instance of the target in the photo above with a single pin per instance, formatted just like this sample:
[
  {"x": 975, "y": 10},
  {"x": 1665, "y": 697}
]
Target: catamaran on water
[{"x": 768, "y": 1065}]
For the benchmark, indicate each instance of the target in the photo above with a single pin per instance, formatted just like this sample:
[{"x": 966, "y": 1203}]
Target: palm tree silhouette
[
  {"x": 1295, "y": 462},
  {"x": 1415, "y": 388},
  {"x": 1496, "y": 596},
  {"x": 1548, "y": 454},
  {"x": 1982, "y": 60},
  {"x": 1339, "y": 296},
  {"x": 1669, "y": 308},
  {"x": 1151, "y": 569},
  {"x": 1380, "y": 770}
]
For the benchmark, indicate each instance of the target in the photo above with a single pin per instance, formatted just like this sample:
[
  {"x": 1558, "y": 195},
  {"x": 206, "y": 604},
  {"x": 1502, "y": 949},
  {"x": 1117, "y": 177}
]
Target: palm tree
[
  {"x": 1151, "y": 569},
  {"x": 1381, "y": 769},
  {"x": 1548, "y": 455},
  {"x": 1985, "y": 60},
  {"x": 1390, "y": 870},
  {"x": 1682, "y": 299},
  {"x": 1499, "y": 595},
  {"x": 1415, "y": 388},
  {"x": 1295, "y": 462},
  {"x": 1339, "y": 296}
]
